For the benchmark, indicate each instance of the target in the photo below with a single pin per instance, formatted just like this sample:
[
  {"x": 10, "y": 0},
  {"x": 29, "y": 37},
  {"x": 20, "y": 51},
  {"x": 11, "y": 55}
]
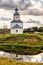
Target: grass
[
  {"x": 29, "y": 39},
  {"x": 9, "y": 61},
  {"x": 22, "y": 43}
]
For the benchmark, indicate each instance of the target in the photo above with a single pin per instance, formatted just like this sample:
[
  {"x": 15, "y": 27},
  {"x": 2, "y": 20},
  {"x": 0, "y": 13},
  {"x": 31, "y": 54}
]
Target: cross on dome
[{"x": 16, "y": 8}]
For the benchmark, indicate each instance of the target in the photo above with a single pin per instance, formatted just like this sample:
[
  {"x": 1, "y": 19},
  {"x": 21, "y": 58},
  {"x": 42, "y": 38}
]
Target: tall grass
[{"x": 9, "y": 61}]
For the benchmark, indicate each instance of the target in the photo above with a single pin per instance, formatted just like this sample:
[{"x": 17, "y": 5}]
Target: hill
[
  {"x": 22, "y": 43},
  {"x": 28, "y": 39}
]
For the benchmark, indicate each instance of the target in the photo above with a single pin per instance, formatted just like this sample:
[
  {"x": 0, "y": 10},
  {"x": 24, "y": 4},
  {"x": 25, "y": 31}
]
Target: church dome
[
  {"x": 16, "y": 14},
  {"x": 16, "y": 9}
]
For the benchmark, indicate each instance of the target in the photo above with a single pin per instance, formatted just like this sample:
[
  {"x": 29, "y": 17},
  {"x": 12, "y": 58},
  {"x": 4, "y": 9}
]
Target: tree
[
  {"x": 35, "y": 28},
  {"x": 5, "y": 28},
  {"x": 40, "y": 29}
]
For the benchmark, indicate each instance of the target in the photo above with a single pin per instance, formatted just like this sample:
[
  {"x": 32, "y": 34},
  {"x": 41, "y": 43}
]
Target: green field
[
  {"x": 9, "y": 61},
  {"x": 22, "y": 43}
]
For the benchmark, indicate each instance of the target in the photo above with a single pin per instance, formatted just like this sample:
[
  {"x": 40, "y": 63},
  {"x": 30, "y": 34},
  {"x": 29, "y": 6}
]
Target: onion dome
[
  {"x": 16, "y": 13},
  {"x": 16, "y": 9}
]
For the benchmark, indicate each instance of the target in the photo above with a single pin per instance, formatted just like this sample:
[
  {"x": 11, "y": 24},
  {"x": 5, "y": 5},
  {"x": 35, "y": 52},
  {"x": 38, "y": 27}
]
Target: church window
[
  {"x": 16, "y": 30},
  {"x": 16, "y": 17}
]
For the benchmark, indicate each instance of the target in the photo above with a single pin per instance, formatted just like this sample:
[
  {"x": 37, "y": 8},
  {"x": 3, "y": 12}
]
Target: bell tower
[{"x": 16, "y": 15}]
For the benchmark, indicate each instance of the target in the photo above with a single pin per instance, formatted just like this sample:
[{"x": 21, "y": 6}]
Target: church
[{"x": 16, "y": 24}]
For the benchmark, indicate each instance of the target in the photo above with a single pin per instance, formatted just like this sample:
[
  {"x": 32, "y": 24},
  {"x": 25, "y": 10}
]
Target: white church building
[{"x": 16, "y": 24}]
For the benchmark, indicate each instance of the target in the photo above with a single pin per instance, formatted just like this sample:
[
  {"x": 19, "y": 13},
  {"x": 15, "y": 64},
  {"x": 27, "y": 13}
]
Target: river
[{"x": 23, "y": 58}]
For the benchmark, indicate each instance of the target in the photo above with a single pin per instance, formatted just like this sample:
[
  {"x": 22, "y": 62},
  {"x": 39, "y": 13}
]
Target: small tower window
[
  {"x": 16, "y": 16},
  {"x": 16, "y": 30}
]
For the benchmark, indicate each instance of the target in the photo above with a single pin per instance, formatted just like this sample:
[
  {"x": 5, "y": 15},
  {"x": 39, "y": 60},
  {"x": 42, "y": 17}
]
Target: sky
[{"x": 31, "y": 12}]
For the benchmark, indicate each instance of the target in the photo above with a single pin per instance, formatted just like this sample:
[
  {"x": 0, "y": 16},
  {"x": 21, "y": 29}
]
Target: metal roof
[
  {"x": 16, "y": 21},
  {"x": 16, "y": 26},
  {"x": 16, "y": 14}
]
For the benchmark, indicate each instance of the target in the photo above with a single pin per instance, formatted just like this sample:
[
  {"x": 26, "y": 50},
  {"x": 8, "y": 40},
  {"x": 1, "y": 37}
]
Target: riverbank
[
  {"x": 22, "y": 39},
  {"x": 23, "y": 58}
]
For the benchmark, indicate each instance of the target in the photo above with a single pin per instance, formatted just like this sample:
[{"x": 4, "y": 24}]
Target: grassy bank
[
  {"x": 22, "y": 39},
  {"x": 24, "y": 50},
  {"x": 22, "y": 43},
  {"x": 8, "y": 61}
]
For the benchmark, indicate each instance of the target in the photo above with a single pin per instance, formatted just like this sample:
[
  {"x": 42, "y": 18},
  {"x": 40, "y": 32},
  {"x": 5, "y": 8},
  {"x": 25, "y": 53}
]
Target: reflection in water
[{"x": 23, "y": 58}]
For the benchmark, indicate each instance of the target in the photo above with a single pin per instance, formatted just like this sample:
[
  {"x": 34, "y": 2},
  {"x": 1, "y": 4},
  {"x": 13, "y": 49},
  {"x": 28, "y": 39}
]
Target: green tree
[
  {"x": 35, "y": 28},
  {"x": 5, "y": 27},
  {"x": 40, "y": 29}
]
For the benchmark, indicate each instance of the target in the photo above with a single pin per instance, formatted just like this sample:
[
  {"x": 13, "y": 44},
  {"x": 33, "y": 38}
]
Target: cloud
[
  {"x": 33, "y": 7},
  {"x": 39, "y": 1},
  {"x": 35, "y": 22},
  {"x": 11, "y": 4},
  {"x": 5, "y": 19},
  {"x": 36, "y": 11},
  {"x": 6, "y": 4},
  {"x": 36, "y": 0}
]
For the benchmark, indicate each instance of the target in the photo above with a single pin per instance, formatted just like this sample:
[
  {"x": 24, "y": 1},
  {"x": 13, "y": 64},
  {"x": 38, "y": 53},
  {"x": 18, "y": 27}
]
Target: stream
[{"x": 23, "y": 58}]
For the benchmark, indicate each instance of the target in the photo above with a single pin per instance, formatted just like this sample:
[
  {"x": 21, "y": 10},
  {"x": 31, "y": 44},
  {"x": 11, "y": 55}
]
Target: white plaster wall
[
  {"x": 16, "y": 17},
  {"x": 13, "y": 31}
]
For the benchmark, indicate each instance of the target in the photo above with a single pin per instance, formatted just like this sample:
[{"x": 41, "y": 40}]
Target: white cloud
[
  {"x": 16, "y": 2},
  {"x": 28, "y": 5}
]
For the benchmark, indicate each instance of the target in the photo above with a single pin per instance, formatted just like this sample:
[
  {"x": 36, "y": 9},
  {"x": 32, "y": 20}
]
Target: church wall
[
  {"x": 16, "y": 17},
  {"x": 13, "y": 31}
]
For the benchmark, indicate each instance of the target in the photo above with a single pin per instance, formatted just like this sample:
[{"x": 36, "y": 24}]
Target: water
[{"x": 23, "y": 58}]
